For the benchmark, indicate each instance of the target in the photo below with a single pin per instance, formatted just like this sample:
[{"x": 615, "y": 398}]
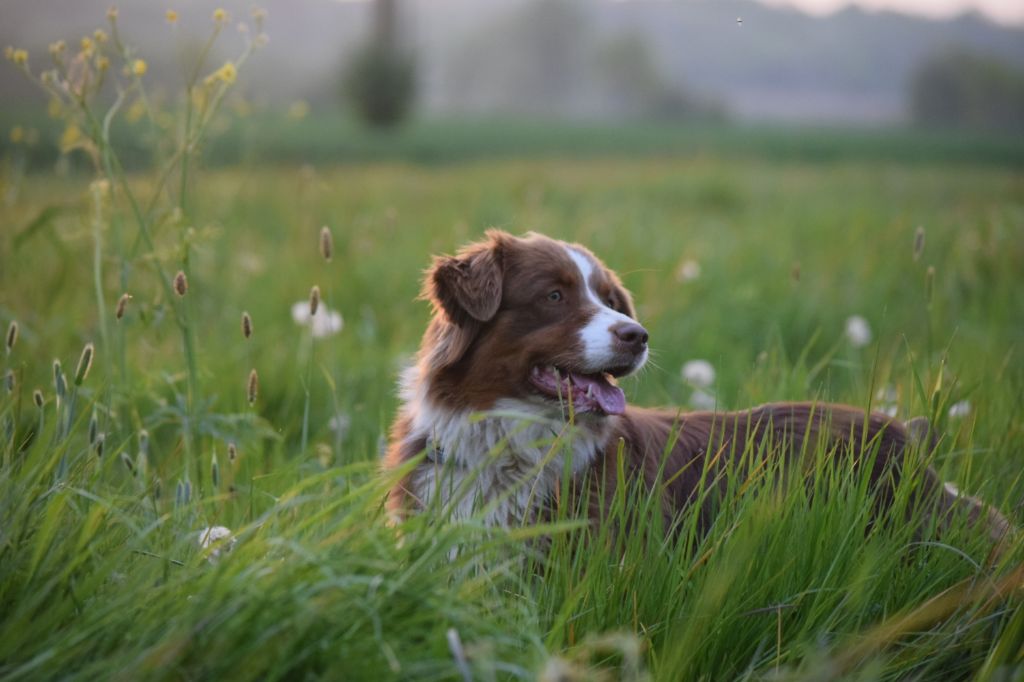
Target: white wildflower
[
  {"x": 888, "y": 410},
  {"x": 858, "y": 331},
  {"x": 959, "y": 409},
  {"x": 699, "y": 373},
  {"x": 702, "y": 400},
  {"x": 326, "y": 322},
  {"x": 688, "y": 271},
  {"x": 339, "y": 423},
  {"x": 218, "y": 537}
]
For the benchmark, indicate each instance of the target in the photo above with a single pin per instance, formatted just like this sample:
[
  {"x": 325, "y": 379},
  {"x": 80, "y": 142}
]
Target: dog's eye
[
  {"x": 555, "y": 295},
  {"x": 610, "y": 302}
]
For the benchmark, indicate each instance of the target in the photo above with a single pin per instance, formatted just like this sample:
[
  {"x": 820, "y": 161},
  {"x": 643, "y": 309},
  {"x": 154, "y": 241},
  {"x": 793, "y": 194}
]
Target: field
[{"x": 754, "y": 263}]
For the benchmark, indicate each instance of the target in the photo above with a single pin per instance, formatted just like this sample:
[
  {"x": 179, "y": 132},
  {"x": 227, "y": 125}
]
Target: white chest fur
[{"x": 500, "y": 466}]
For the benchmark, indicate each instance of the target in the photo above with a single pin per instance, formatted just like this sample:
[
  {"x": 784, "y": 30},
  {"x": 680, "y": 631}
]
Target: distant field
[
  {"x": 267, "y": 137},
  {"x": 100, "y": 573}
]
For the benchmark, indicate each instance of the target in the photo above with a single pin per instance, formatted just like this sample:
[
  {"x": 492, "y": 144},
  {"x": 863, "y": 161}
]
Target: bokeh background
[{"x": 456, "y": 78}]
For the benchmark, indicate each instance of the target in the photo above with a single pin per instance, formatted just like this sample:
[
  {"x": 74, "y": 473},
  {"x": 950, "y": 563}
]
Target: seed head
[
  {"x": 326, "y": 243},
  {"x": 59, "y": 385},
  {"x": 112, "y": 13},
  {"x": 12, "y": 336},
  {"x": 144, "y": 442},
  {"x": 220, "y": 15},
  {"x": 314, "y": 300},
  {"x": 9, "y": 381},
  {"x": 929, "y": 285},
  {"x": 253, "y": 387},
  {"x": 180, "y": 283},
  {"x": 87, "y": 45},
  {"x": 84, "y": 364},
  {"x": 57, "y": 48},
  {"x": 122, "y": 303},
  {"x": 232, "y": 452},
  {"x": 246, "y": 325},
  {"x": 37, "y": 398},
  {"x": 100, "y": 438},
  {"x": 918, "y": 242},
  {"x": 92, "y": 429},
  {"x": 215, "y": 471},
  {"x": 128, "y": 463},
  {"x": 100, "y": 36},
  {"x": 16, "y": 55}
]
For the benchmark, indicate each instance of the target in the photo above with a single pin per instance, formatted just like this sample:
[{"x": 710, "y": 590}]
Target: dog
[{"x": 514, "y": 387}]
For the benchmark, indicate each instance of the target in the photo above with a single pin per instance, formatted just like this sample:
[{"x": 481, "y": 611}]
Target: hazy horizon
[{"x": 1004, "y": 11}]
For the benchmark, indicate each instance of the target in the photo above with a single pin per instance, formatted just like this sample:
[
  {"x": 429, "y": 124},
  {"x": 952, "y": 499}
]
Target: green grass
[
  {"x": 273, "y": 138},
  {"x": 100, "y": 571}
]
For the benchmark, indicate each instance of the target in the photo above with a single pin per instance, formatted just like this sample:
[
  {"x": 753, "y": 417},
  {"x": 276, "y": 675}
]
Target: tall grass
[{"x": 107, "y": 483}]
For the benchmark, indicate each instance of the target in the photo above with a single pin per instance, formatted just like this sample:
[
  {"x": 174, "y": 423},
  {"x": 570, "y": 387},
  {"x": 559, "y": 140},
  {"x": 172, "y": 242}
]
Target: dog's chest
[{"x": 503, "y": 466}]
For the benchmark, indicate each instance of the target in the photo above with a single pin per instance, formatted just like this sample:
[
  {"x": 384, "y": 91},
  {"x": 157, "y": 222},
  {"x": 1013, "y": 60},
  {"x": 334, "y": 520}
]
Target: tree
[{"x": 963, "y": 89}]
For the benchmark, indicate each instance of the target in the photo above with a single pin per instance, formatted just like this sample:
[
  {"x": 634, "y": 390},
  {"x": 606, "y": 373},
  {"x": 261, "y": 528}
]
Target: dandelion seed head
[
  {"x": 702, "y": 400},
  {"x": 699, "y": 373},
  {"x": 858, "y": 331},
  {"x": 959, "y": 409},
  {"x": 688, "y": 271},
  {"x": 219, "y": 538},
  {"x": 326, "y": 322}
]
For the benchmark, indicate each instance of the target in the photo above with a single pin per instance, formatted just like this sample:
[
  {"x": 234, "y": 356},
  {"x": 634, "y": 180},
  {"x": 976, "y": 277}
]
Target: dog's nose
[{"x": 631, "y": 335}]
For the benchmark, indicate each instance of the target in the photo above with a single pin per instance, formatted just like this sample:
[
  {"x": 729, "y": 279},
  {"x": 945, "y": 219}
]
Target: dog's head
[{"x": 530, "y": 319}]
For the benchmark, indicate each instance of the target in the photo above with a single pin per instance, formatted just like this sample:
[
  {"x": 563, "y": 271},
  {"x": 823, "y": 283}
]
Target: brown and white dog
[{"x": 517, "y": 372}]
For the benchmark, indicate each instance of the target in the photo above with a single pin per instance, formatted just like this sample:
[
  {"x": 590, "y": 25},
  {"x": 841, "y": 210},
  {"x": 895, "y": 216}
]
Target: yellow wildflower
[
  {"x": 57, "y": 48},
  {"x": 112, "y": 13},
  {"x": 87, "y": 45},
  {"x": 227, "y": 73},
  {"x": 136, "y": 111},
  {"x": 17, "y": 134},
  {"x": 18, "y": 56},
  {"x": 70, "y": 138},
  {"x": 102, "y": 63},
  {"x": 172, "y": 16},
  {"x": 99, "y": 36},
  {"x": 139, "y": 67},
  {"x": 220, "y": 15}
]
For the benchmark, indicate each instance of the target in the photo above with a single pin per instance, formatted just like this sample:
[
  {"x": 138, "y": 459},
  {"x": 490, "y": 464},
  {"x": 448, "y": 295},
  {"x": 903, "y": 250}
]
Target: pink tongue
[{"x": 609, "y": 398}]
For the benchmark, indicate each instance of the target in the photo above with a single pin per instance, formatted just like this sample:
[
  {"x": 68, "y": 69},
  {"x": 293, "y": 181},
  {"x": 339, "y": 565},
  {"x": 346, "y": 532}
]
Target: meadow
[
  {"x": 754, "y": 265},
  {"x": 162, "y": 375}
]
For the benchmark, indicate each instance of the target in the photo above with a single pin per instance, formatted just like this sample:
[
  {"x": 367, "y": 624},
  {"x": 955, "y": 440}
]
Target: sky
[{"x": 1007, "y": 11}]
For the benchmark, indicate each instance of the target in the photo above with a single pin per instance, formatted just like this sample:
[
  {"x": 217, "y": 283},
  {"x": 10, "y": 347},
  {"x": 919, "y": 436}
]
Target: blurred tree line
[{"x": 958, "y": 88}]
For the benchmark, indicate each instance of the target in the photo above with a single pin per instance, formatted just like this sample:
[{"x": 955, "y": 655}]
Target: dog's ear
[{"x": 467, "y": 286}]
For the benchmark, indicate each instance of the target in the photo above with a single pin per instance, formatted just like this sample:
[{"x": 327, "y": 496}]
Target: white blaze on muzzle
[{"x": 597, "y": 337}]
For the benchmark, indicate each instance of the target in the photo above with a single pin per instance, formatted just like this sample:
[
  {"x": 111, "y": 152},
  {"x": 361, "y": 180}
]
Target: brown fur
[{"x": 491, "y": 324}]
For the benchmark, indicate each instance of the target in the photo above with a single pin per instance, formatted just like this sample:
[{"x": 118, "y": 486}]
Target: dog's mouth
[{"x": 587, "y": 392}]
